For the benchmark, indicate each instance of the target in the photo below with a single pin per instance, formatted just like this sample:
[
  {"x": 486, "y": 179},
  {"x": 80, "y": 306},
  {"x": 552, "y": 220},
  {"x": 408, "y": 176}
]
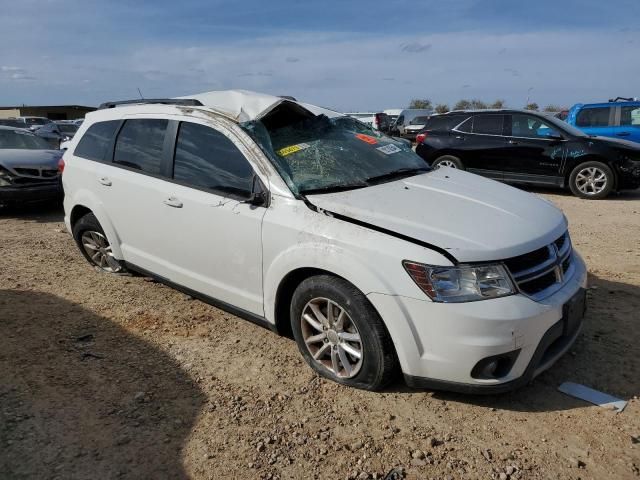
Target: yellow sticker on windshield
[{"x": 283, "y": 152}]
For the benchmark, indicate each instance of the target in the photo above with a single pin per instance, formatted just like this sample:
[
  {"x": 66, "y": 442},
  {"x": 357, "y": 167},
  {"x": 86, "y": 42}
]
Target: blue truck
[{"x": 617, "y": 118}]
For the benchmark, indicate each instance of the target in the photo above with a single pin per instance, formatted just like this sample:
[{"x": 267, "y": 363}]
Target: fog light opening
[{"x": 495, "y": 367}]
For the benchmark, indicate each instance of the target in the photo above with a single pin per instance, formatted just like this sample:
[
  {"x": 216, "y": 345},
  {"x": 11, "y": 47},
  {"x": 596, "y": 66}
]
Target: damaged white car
[{"x": 310, "y": 223}]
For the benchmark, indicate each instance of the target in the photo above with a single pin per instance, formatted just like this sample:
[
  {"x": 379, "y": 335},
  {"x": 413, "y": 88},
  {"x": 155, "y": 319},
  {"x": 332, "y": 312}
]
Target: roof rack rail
[
  {"x": 623, "y": 99},
  {"x": 190, "y": 102}
]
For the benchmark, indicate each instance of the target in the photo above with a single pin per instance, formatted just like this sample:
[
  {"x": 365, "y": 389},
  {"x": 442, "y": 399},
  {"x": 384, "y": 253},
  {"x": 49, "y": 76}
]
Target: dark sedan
[
  {"x": 28, "y": 168},
  {"x": 526, "y": 147}
]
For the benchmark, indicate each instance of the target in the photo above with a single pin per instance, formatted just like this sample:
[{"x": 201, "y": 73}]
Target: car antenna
[{"x": 140, "y": 93}]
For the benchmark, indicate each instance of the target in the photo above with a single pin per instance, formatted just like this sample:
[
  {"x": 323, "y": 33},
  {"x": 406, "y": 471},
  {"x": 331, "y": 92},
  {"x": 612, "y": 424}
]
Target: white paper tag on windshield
[{"x": 389, "y": 149}]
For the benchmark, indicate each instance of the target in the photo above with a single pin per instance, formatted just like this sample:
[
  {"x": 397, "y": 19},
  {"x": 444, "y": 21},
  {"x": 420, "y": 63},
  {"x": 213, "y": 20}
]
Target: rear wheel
[
  {"x": 448, "y": 161},
  {"x": 95, "y": 246},
  {"x": 340, "y": 335},
  {"x": 593, "y": 180}
]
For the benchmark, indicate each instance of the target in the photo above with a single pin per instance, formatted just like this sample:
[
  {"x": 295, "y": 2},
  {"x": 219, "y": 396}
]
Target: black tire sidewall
[
  {"x": 378, "y": 360},
  {"x": 602, "y": 166},
  {"x": 458, "y": 163}
]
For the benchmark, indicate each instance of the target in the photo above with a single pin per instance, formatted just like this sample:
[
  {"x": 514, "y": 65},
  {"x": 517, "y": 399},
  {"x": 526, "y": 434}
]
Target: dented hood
[{"x": 473, "y": 218}]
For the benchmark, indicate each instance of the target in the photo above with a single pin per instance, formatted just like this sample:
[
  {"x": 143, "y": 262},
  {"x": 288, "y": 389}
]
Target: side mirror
[{"x": 257, "y": 199}]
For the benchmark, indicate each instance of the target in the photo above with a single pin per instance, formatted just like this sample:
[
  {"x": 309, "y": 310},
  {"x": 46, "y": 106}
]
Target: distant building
[{"x": 52, "y": 112}]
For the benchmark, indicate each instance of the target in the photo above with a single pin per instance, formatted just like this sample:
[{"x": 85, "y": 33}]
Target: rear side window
[
  {"x": 445, "y": 122},
  {"x": 488, "y": 124},
  {"x": 205, "y": 158},
  {"x": 593, "y": 117},
  {"x": 95, "y": 141},
  {"x": 630, "y": 116},
  {"x": 139, "y": 145}
]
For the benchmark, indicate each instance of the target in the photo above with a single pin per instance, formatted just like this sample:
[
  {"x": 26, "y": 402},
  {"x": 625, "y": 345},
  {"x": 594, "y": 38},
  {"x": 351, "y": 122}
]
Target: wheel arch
[
  {"x": 85, "y": 202},
  {"x": 284, "y": 295}
]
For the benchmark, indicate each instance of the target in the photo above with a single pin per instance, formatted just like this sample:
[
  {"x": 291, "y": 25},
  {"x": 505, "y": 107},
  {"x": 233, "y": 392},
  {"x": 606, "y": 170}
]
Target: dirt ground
[{"x": 119, "y": 377}]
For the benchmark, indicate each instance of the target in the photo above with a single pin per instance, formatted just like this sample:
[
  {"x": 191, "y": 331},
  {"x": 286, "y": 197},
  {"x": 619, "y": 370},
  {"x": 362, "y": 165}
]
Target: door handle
[
  {"x": 512, "y": 142},
  {"x": 172, "y": 202},
  {"x": 105, "y": 181},
  {"x": 623, "y": 134}
]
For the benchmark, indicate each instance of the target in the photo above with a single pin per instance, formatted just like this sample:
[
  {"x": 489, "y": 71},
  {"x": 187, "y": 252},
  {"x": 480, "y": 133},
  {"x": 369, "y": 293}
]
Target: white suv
[{"x": 311, "y": 224}]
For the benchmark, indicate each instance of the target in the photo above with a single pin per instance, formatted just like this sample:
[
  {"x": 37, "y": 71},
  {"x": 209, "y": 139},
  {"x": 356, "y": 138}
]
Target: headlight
[
  {"x": 5, "y": 178},
  {"x": 466, "y": 283}
]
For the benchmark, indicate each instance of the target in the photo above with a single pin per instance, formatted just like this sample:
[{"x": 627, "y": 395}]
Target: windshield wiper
[
  {"x": 334, "y": 188},
  {"x": 397, "y": 174}
]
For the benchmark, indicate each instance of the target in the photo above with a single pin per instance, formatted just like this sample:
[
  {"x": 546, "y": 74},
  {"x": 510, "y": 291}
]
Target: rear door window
[
  {"x": 207, "y": 159},
  {"x": 95, "y": 141},
  {"x": 488, "y": 124},
  {"x": 445, "y": 122},
  {"x": 140, "y": 144},
  {"x": 593, "y": 117},
  {"x": 630, "y": 116}
]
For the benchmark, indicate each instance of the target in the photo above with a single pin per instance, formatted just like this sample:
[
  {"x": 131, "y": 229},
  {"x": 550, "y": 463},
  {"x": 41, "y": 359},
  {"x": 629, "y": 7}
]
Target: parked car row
[
  {"x": 404, "y": 123},
  {"x": 54, "y": 132}
]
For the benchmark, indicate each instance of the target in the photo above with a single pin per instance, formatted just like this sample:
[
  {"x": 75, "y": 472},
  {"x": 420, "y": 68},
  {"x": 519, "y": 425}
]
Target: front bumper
[
  {"x": 31, "y": 193},
  {"x": 439, "y": 344}
]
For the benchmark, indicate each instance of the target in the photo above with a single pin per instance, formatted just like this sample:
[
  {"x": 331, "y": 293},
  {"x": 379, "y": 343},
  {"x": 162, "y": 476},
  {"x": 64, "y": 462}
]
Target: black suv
[{"x": 518, "y": 146}]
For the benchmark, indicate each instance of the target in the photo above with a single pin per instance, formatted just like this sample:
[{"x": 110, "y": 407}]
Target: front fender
[{"x": 331, "y": 258}]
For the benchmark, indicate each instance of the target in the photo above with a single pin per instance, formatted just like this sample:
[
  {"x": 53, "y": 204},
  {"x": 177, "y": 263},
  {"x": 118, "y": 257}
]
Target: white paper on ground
[{"x": 592, "y": 396}]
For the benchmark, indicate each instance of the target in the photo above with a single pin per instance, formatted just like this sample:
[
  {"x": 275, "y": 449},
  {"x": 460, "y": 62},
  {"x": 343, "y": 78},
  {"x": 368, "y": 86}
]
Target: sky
[{"x": 349, "y": 55}]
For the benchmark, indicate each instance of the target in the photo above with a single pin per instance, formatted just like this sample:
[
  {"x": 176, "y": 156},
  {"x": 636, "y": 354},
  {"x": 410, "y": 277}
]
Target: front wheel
[
  {"x": 448, "y": 161},
  {"x": 592, "y": 180},
  {"x": 340, "y": 335}
]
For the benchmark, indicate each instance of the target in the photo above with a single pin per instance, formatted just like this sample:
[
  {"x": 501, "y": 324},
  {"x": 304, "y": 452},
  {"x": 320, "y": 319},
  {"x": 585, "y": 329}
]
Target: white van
[
  {"x": 405, "y": 118},
  {"x": 316, "y": 226}
]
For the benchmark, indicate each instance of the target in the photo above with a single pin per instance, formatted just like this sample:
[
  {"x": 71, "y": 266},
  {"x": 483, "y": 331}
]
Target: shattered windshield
[{"x": 321, "y": 155}]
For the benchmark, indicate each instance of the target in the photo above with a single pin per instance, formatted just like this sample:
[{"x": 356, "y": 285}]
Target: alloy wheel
[
  {"x": 446, "y": 163},
  {"x": 591, "y": 181},
  {"x": 332, "y": 338},
  {"x": 98, "y": 249}
]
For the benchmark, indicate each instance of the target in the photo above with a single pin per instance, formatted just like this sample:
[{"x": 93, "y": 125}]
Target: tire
[
  {"x": 448, "y": 161},
  {"x": 591, "y": 180},
  {"x": 378, "y": 361},
  {"x": 95, "y": 246}
]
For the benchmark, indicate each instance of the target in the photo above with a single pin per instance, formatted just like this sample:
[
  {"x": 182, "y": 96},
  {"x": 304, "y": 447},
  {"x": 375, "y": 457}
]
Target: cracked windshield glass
[{"x": 321, "y": 155}]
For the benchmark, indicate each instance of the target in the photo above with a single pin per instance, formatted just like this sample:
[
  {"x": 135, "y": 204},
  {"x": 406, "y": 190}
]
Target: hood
[
  {"x": 473, "y": 218},
  {"x": 23, "y": 158},
  {"x": 616, "y": 143}
]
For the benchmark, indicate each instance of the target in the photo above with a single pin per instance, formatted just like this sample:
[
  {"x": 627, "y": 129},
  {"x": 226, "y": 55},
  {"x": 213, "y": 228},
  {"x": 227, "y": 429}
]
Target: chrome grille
[{"x": 542, "y": 272}]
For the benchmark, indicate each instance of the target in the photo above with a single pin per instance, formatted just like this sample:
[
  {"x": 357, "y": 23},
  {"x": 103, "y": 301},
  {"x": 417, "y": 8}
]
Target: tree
[
  {"x": 499, "y": 103},
  {"x": 462, "y": 105},
  {"x": 421, "y": 103},
  {"x": 532, "y": 106},
  {"x": 552, "y": 108},
  {"x": 478, "y": 104},
  {"x": 442, "y": 108}
]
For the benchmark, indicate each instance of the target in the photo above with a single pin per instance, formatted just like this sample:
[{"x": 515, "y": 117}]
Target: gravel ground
[{"x": 120, "y": 377}]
